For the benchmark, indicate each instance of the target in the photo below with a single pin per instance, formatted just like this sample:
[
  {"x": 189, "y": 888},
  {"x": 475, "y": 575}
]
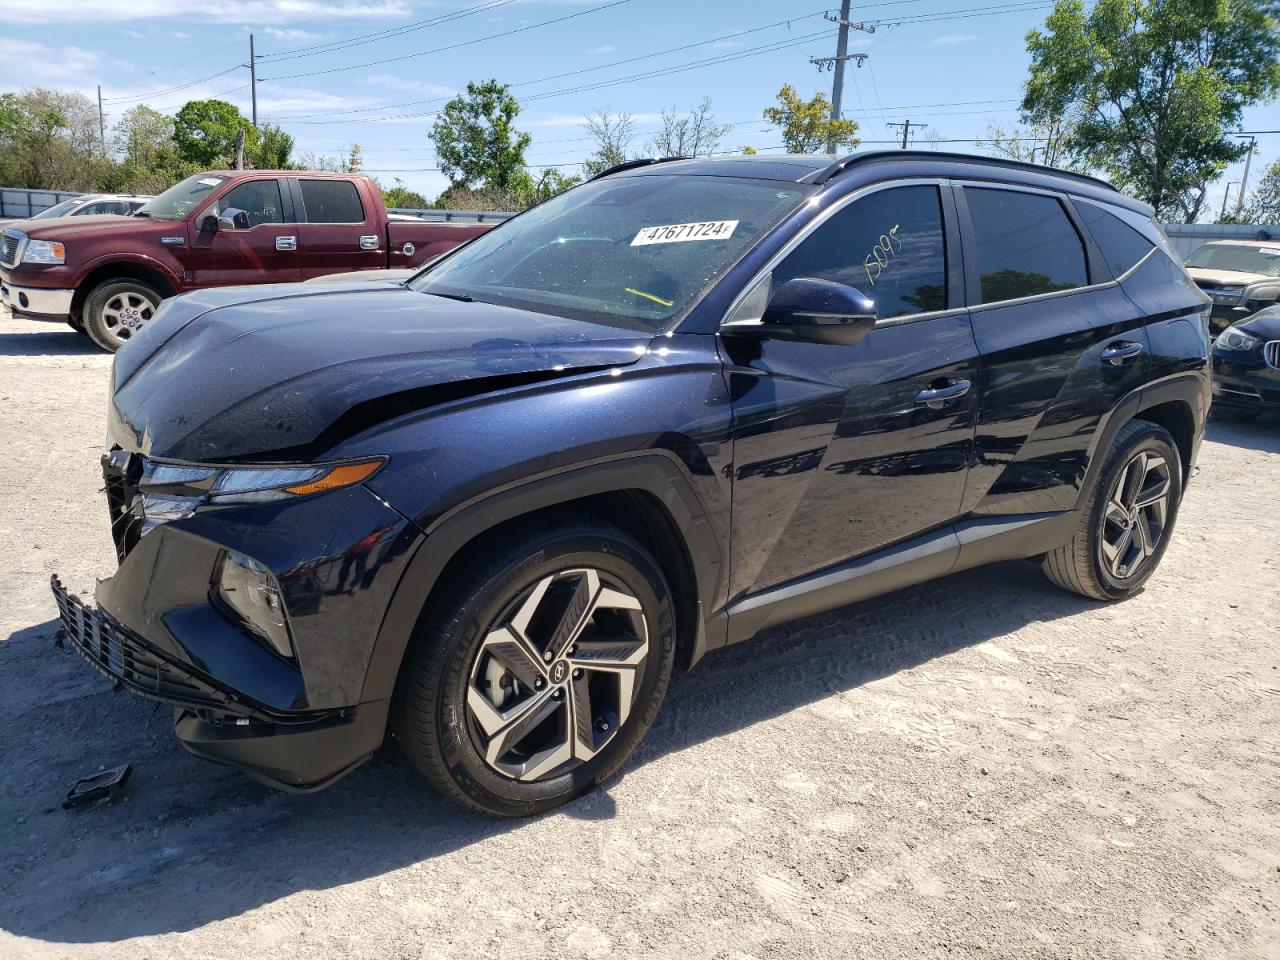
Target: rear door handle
[
  {"x": 369, "y": 243},
  {"x": 1121, "y": 352},
  {"x": 936, "y": 398},
  {"x": 286, "y": 243}
]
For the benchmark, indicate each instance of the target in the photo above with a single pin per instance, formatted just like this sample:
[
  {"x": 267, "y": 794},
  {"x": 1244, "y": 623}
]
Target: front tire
[
  {"x": 540, "y": 671},
  {"x": 117, "y": 309},
  {"x": 1125, "y": 526}
]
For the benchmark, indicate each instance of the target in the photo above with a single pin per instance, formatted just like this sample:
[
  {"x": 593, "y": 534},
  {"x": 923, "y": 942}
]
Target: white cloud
[
  {"x": 607, "y": 48},
  {"x": 292, "y": 35},
  {"x": 403, "y": 84},
  {"x": 60, "y": 66},
  {"x": 211, "y": 11},
  {"x": 952, "y": 39}
]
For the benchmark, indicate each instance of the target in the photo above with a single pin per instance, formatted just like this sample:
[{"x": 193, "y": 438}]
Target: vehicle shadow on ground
[
  {"x": 200, "y": 843},
  {"x": 1262, "y": 434},
  {"x": 59, "y": 341}
]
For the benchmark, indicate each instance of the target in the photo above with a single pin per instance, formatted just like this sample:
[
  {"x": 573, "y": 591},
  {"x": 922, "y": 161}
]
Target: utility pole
[
  {"x": 906, "y": 126},
  {"x": 253, "y": 80},
  {"x": 837, "y": 62},
  {"x": 102, "y": 124},
  {"x": 1226, "y": 195},
  {"x": 1244, "y": 179}
]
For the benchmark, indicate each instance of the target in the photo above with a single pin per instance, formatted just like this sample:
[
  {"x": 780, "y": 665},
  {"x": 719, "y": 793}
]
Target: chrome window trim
[
  {"x": 980, "y": 307},
  {"x": 808, "y": 229}
]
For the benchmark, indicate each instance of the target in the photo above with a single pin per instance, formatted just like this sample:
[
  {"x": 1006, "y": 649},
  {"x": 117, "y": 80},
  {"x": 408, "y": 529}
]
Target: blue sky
[{"x": 956, "y": 65}]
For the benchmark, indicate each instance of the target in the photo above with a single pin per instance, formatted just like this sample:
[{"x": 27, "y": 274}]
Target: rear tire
[
  {"x": 1126, "y": 523},
  {"x": 117, "y": 309},
  {"x": 540, "y": 668}
]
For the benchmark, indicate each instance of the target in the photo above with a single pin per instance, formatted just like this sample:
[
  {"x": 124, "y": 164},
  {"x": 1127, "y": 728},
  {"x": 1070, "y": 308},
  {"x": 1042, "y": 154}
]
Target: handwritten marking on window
[{"x": 885, "y": 250}]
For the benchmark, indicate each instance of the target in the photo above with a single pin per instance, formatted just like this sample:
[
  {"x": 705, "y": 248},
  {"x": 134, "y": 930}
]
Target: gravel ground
[{"x": 982, "y": 766}]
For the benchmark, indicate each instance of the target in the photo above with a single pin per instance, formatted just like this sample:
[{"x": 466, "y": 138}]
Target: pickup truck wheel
[
  {"x": 117, "y": 309},
  {"x": 540, "y": 672}
]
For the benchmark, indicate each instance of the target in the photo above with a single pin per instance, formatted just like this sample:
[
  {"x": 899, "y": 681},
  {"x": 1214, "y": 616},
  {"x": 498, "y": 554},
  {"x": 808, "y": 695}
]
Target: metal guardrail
[
  {"x": 455, "y": 216},
  {"x": 19, "y": 203}
]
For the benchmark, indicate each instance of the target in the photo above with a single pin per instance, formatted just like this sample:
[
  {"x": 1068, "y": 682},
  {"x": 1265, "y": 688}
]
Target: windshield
[
  {"x": 58, "y": 209},
  {"x": 630, "y": 251},
  {"x": 180, "y": 199},
  {"x": 1244, "y": 258}
]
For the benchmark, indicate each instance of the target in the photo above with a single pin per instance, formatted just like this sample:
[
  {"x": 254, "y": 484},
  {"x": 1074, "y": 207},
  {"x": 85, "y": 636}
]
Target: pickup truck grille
[{"x": 9, "y": 254}]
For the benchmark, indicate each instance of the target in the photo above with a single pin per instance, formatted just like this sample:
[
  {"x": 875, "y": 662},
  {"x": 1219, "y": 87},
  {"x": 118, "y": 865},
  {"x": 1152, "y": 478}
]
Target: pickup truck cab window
[
  {"x": 178, "y": 201},
  {"x": 888, "y": 244},
  {"x": 332, "y": 201},
  {"x": 256, "y": 202}
]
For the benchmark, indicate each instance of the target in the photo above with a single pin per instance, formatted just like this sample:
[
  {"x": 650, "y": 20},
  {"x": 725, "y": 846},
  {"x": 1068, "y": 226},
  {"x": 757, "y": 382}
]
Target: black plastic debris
[{"x": 89, "y": 790}]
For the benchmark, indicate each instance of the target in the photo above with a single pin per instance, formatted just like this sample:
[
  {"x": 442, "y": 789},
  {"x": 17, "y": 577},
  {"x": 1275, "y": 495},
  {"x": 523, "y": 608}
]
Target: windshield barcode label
[{"x": 682, "y": 232}]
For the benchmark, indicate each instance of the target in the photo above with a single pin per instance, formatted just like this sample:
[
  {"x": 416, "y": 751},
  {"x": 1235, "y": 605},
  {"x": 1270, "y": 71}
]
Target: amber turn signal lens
[{"x": 343, "y": 476}]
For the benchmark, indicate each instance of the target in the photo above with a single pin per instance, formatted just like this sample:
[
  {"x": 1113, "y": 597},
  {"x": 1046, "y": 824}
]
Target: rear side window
[
  {"x": 332, "y": 201},
  {"x": 888, "y": 244},
  {"x": 1121, "y": 245},
  {"x": 1025, "y": 244}
]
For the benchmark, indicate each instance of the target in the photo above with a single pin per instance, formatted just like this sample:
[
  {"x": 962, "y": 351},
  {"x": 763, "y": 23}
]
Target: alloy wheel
[
  {"x": 1136, "y": 515},
  {"x": 557, "y": 674},
  {"x": 126, "y": 313}
]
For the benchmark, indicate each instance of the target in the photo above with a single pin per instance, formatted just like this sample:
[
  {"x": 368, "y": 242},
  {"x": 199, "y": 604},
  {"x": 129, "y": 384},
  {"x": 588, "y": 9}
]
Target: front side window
[
  {"x": 332, "y": 201},
  {"x": 889, "y": 245},
  {"x": 1025, "y": 243},
  {"x": 253, "y": 202},
  {"x": 632, "y": 251}
]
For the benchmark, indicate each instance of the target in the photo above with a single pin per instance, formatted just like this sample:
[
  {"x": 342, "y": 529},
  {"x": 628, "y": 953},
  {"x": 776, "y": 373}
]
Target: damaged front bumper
[{"x": 298, "y": 753}]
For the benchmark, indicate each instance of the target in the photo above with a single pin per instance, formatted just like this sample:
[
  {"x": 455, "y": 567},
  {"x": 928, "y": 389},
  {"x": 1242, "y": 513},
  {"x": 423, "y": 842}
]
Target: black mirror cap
[
  {"x": 818, "y": 311},
  {"x": 209, "y": 223}
]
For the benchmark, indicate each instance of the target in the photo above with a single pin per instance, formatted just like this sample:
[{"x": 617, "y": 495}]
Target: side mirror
[
  {"x": 814, "y": 311},
  {"x": 209, "y": 223},
  {"x": 232, "y": 219}
]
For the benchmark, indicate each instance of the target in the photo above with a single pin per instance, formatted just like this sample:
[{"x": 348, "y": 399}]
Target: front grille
[
  {"x": 1271, "y": 354},
  {"x": 125, "y": 658},
  {"x": 121, "y": 471},
  {"x": 9, "y": 255}
]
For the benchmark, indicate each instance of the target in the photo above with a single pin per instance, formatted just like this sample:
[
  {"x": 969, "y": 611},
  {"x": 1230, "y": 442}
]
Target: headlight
[
  {"x": 1234, "y": 339},
  {"x": 44, "y": 251},
  {"x": 253, "y": 484},
  {"x": 252, "y": 593}
]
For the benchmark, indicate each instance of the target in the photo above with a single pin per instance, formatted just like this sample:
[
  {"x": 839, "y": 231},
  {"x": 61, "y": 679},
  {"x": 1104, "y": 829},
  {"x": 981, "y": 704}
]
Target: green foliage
[
  {"x": 205, "y": 132},
  {"x": 274, "y": 150},
  {"x": 529, "y": 191},
  {"x": 1263, "y": 203},
  {"x": 1154, "y": 87},
  {"x": 807, "y": 126},
  {"x": 476, "y": 140},
  {"x": 49, "y": 140},
  {"x": 613, "y": 133},
  {"x": 402, "y": 196}
]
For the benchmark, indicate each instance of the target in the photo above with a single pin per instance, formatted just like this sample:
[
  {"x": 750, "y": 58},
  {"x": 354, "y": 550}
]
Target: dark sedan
[{"x": 1246, "y": 366}]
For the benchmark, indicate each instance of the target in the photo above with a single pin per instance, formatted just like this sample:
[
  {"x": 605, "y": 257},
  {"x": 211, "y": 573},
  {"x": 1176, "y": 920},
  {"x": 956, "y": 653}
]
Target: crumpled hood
[{"x": 234, "y": 373}]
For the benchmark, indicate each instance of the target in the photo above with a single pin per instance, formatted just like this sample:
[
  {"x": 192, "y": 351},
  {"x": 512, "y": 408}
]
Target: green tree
[
  {"x": 205, "y": 131},
  {"x": 274, "y": 150},
  {"x": 49, "y": 140},
  {"x": 1263, "y": 203},
  {"x": 402, "y": 196},
  {"x": 614, "y": 134},
  {"x": 476, "y": 140},
  {"x": 1154, "y": 88},
  {"x": 807, "y": 126},
  {"x": 529, "y": 191}
]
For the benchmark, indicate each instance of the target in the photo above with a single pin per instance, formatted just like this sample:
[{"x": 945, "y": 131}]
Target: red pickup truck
[{"x": 106, "y": 275}]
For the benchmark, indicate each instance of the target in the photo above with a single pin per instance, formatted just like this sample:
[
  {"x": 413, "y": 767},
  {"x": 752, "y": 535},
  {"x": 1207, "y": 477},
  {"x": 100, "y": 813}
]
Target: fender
[
  {"x": 654, "y": 472},
  {"x": 142, "y": 259}
]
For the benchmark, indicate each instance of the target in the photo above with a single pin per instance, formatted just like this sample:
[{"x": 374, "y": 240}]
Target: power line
[
  {"x": 169, "y": 90},
  {"x": 455, "y": 46}
]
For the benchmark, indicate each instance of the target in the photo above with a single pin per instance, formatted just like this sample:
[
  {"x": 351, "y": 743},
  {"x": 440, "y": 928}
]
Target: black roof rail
[
  {"x": 632, "y": 164},
  {"x": 841, "y": 164}
]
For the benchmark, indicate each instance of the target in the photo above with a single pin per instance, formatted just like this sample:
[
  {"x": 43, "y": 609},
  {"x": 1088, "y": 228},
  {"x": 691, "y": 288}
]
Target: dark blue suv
[{"x": 490, "y": 510}]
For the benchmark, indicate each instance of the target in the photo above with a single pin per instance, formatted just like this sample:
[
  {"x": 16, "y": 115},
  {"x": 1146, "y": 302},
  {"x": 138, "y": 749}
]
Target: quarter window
[
  {"x": 889, "y": 245},
  {"x": 1025, "y": 243},
  {"x": 1121, "y": 245},
  {"x": 332, "y": 201},
  {"x": 256, "y": 202}
]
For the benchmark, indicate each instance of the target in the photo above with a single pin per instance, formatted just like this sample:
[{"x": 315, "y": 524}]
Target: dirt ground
[{"x": 983, "y": 766}]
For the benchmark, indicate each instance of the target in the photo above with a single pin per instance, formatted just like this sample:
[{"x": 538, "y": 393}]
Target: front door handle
[
  {"x": 936, "y": 398},
  {"x": 286, "y": 243},
  {"x": 1121, "y": 352}
]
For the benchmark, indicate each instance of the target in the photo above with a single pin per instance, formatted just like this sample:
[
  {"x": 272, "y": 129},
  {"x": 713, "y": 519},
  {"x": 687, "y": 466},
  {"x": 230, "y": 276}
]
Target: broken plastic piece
[{"x": 92, "y": 789}]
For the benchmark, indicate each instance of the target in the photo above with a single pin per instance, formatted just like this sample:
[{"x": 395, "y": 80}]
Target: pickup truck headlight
[
  {"x": 1233, "y": 339},
  {"x": 44, "y": 251}
]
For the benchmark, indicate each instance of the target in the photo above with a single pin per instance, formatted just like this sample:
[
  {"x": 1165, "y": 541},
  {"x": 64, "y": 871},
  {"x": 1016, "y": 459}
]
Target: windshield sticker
[
  {"x": 888, "y": 246},
  {"x": 210, "y": 181},
  {"x": 683, "y": 232}
]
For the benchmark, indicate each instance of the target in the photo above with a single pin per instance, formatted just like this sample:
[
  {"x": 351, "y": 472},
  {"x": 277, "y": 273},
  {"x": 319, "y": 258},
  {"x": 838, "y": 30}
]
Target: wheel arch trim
[{"x": 657, "y": 473}]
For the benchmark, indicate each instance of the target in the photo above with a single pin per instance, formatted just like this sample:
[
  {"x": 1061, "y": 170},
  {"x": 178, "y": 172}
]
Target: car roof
[{"x": 878, "y": 165}]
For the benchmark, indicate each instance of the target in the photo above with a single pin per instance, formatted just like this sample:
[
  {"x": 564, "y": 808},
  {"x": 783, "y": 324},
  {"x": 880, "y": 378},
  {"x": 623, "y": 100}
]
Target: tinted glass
[
  {"x": 1121, "y": 245},
  {"x": 258, "y": 201},
  {"x": 332, "y": 201},
  {"x": 1026, "y": 245},
  {"x": 889, "y": 245},
  {"x": 57, "y": 210},
  {"x": 630, "y": 251}
]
